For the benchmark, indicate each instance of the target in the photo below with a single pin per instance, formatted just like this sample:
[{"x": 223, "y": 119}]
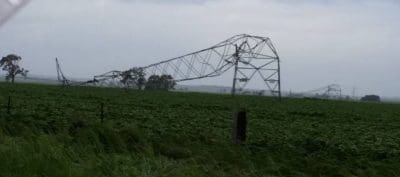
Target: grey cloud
[{"x": 353, "y": 43}]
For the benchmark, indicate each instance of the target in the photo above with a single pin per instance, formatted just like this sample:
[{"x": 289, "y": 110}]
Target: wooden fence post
[
  {"x": 9, "y": 105},
  {"x": 102, "y": 112},
  {"x": 239, "y": 127}
]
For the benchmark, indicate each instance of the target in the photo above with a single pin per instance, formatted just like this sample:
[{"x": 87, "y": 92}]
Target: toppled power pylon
[
  {"x": 60, "y": 75},
  {"x": 331, "y": 91},
  {"x": 248, "y": 56}
]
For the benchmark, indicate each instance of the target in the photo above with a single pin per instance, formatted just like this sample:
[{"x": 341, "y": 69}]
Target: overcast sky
[{"x": 351, "y": 43}]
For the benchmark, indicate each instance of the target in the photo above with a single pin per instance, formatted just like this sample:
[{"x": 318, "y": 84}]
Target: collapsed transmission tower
[
  {"x": 247, "y": 55},
  {"x": 109, "y": 79},
  {"x": 60, "y": 75},
  {"x": 330, "y": 91}
]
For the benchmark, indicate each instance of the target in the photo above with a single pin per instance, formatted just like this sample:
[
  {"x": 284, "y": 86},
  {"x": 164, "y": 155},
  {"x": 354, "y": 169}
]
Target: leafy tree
[
  {"x": 127, "y": 78},
  {"x": 163, "y": 82},
  {"x": 167, "y": 82},
  {"x": 141, "y": 80},
  {"x": 10, "y": 63},
  {"x": 153, "y": 82},
  {"x": 134, "y": 76}
]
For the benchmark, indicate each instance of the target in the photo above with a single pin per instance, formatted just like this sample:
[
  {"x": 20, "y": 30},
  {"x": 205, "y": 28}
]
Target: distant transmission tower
[
  {"x": 60, "y": 75},
  {"x": 330, "y": 91}
]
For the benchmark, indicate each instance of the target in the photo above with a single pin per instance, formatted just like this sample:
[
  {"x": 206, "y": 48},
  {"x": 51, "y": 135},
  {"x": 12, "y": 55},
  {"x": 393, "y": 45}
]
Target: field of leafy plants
[{"x": 54, "y": 131}]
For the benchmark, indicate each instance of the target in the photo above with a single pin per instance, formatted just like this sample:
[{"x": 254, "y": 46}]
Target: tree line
[{"x": 136, "y": 78}]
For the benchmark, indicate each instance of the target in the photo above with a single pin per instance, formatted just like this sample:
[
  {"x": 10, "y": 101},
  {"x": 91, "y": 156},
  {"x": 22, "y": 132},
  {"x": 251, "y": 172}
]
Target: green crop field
[{"x": 53, "y": 131}]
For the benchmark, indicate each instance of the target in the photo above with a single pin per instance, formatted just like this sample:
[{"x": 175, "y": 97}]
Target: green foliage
[
  {"x": 163, "y": 82},
  {"x": 57, "y": 131},
  {"x": 10, "y": 64},
  {"x": 134, "y": 76}
]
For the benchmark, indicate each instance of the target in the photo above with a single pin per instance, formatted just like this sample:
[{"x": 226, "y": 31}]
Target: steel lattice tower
[{"x": 247, "y": 55}]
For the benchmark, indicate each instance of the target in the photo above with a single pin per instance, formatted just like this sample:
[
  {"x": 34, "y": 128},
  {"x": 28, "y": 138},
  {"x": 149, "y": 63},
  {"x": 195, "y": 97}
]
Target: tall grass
[{"x": 54, "y": 131}]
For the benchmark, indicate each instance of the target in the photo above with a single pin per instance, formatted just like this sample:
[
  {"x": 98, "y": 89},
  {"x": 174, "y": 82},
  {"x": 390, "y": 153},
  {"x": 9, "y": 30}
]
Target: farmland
[{"x": 55, "y": 131}]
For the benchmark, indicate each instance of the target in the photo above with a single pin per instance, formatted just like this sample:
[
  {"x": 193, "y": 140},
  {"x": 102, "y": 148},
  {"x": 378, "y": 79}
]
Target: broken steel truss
[
  {"x": 109, "y": 79},
  {"x": 60, "y": 75},
  {"x": 330, "y": 91},
  {"x": 247, "y": 55}
]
